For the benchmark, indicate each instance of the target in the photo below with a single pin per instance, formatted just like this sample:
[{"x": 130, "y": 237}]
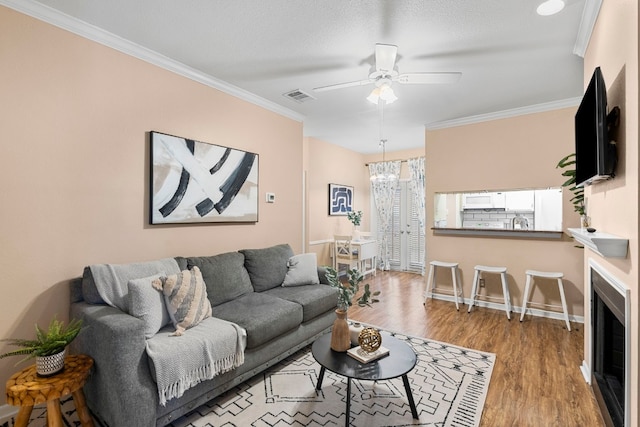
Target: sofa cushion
[
  {"x": 186, "y": 298},
  {"x": 314, "y": 299},
  {"x": 224, "y": 275},
  {"x": 267, "y": 267},
  {"x": 147, "y": 304},
  {"x": 263, "y": 316},
  {"x": 301, "y": 270}
]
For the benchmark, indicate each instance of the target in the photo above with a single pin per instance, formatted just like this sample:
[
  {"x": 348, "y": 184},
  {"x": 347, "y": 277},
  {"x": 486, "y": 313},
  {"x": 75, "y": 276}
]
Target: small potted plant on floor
[
  {"x": 340, "y": 335},
  {"x": 48, "y": 348}
]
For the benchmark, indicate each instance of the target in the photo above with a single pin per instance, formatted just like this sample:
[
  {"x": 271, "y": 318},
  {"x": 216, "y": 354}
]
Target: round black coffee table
[{"x": 400, "y": 361}]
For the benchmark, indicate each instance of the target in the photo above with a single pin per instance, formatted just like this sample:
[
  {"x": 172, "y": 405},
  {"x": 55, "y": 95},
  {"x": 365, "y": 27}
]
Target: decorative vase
[
  {"x": 354, "y": 332},
  {"x": 49, "y": 365},
  {"x": 585, "y": 221},
  {"x": 370, "y": 340},
  {"x": 340, "y": 340}
]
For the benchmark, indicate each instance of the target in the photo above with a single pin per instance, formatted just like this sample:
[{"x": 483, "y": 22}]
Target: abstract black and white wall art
[
  {"x": 193, "y": 182},
  {"x": 340, "y": 199}
]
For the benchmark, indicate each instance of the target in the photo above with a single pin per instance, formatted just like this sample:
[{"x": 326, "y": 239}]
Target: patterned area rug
[{"x": 449, "y": 385}]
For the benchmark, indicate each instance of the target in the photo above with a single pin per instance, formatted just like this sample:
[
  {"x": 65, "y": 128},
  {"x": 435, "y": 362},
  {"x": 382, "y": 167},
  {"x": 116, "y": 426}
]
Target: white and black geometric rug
[{"x": 449, "y": 386}]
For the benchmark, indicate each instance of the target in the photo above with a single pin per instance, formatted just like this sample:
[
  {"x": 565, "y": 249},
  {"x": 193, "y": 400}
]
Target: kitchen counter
[{"x": 497, "y": 232}]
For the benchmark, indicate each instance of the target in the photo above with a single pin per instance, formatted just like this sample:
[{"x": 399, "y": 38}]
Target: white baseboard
[
  {"x": 8, "y": 414},
  {"x": 496, "y": 306},
  {"x": 586, "y": 372}
]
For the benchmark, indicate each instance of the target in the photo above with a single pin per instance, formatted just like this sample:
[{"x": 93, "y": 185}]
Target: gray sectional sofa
[{"x": 243, "y": 287}]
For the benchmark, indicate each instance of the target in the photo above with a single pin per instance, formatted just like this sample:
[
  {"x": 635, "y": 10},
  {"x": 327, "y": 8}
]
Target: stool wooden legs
[
  {"x": 54, "y": 413},
  {"x": 474, "y": 290},
  {"x": 507, "y": 295},
  {"x": 527, "y": 291},
  {"x": 505, "y": 288},
  {"x": 81, "y": 408},
  {"x": 564, "y": 304},
  {"x": 23, "y": 416},
  {"x": 455, "y": 280}
]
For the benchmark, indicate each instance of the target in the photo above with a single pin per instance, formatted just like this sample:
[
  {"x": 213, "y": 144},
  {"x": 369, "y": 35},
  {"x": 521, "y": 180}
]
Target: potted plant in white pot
[
  {"x": 340, "y": 335},
  {"x": 49, "y": 346}
]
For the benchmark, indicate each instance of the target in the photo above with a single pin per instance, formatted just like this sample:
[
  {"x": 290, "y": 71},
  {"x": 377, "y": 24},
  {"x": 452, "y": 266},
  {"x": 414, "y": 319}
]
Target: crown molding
[
  {"x": 587, "y": 23},
  {"x": 98, "y": 35},
  {"x": 532, "y": 109}
]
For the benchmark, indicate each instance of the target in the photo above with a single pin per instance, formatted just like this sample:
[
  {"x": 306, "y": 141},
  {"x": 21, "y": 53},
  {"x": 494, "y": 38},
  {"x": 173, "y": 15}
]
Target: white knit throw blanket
[{"x": 212, "y": 347}]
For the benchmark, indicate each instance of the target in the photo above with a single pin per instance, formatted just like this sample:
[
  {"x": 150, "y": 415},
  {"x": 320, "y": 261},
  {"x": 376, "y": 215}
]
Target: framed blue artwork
[
  {"x": 197, "y": 182},
  {"x": 340, "y": 199}
]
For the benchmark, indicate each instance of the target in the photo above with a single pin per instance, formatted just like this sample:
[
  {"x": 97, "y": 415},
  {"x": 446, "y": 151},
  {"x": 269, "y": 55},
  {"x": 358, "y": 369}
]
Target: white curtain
[
  {"x": 417, "y": 183},
  {"x": 384, "y": 190}
]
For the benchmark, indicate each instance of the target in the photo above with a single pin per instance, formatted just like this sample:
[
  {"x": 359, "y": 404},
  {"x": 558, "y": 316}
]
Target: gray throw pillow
[
  {"x": 224, "y": 275},
  {"x": 147, "y": 304},
  {"x": 267, "y": 267},
  {"x": 302, "y": 270}
]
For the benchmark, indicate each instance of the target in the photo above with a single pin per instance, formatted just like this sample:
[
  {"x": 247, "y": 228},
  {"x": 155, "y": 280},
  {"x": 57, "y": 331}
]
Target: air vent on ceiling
[{"x": 298, "y": 96}]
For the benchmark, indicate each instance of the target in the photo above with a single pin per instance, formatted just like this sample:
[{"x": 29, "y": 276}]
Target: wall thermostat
[{"x": 271, "y": 197}]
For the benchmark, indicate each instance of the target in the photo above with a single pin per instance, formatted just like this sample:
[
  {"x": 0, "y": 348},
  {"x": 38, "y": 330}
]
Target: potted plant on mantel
[
  {"x": 48, "y": 348},
  {"x": 340, "y": 336}
]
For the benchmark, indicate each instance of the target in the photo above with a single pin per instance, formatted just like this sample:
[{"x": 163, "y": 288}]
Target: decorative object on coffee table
[
  {"x": 354, "y": 332},
  {"x": 27, "y": 388},
  {"x": 340, "y": 340},
  {"x": 49, "y": 346},
  {"x": 370, "y": 340}
]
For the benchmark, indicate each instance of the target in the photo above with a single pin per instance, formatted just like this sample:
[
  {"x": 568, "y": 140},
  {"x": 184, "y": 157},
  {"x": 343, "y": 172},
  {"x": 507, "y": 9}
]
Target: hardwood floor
[{"x": 536, "y": 380}]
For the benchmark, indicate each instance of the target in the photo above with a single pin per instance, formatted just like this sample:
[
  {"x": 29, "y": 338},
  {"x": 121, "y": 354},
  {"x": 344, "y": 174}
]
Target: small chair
[
  {"x": 455, "y": 278},
  {"x": 343, "y": 252},
  {"x": 479, "y": 269},
  {"x": 547, "y": 275}
]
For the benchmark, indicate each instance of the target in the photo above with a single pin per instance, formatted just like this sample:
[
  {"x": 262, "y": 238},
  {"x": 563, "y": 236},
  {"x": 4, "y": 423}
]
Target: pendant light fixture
[{"x": 383, "y": 176}]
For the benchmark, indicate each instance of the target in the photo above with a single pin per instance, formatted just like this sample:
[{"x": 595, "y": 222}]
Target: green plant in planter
[
  {"x": 48, "y": 342},
  {"x": 355, "y": 217},
  {"x": 570, "y": 172},
  {"x": 346, "y": 291}
]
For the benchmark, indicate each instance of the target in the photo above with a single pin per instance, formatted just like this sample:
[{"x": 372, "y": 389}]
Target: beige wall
[
  {"x": 326, "y": 164},
  {"x": 613, "y": 205},
  {"x": 74, "y": 175},
  {"x": 518, "y": 152}
]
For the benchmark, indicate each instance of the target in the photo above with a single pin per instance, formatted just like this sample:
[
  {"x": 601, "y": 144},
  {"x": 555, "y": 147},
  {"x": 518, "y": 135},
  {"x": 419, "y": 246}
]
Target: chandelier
[{"x": 383, "y": 175}]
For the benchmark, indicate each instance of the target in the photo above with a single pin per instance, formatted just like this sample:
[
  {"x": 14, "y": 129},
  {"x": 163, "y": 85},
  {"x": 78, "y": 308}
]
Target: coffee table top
[{"x": 400, "y": 360}]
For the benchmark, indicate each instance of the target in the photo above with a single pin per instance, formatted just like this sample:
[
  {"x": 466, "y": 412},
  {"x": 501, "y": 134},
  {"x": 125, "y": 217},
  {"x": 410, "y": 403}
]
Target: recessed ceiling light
[{"x": 550, "y": 7}]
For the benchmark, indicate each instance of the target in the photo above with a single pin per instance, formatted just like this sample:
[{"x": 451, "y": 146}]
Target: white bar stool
[
  {"x": 479, "y": 269},
  {"x": 455, "y": 278},
  {"x": 547, "y": 275}
]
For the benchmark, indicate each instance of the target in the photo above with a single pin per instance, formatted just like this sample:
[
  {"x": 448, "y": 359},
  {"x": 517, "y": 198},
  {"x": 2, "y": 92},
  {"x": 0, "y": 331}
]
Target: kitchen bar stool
[
  {"x": 547, "y": 275},
  {"x": 455, "y": 278},
  {"x": 479, "y": 269}
]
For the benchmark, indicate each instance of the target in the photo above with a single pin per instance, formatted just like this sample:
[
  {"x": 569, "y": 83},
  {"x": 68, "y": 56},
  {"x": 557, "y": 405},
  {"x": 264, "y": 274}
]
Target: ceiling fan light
[
  {"x": 550, "y": 7},
  {"x": 387, "y": 95},
  {"x": 374, "y": 96}
]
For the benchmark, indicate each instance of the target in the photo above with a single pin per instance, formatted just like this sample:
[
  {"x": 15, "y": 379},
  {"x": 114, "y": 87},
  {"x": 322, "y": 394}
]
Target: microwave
[{"x": 485, "y": 200}]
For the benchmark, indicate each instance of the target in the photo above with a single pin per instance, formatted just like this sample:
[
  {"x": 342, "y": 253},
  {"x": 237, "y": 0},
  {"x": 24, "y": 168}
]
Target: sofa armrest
[{"x": 120, "y": 390}]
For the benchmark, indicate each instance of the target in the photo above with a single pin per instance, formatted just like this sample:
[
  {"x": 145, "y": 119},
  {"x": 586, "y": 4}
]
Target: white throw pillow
[{"x": 302, "y": 270}]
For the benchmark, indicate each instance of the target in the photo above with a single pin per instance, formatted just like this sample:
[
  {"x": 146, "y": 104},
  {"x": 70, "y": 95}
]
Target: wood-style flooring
[{"x": 536, "y": 380}]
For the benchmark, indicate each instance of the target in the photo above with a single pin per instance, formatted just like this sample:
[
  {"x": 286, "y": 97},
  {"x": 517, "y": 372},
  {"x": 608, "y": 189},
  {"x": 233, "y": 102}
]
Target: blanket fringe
[{"x": 203, "y": 373}]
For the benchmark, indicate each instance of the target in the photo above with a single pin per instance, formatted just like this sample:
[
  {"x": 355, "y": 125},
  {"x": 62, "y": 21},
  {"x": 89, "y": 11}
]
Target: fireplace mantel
[{"x": 603, "y": 244}]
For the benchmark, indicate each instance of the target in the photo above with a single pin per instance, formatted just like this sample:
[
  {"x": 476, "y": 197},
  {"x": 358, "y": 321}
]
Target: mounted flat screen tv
[{"x": 596, "y": 156}]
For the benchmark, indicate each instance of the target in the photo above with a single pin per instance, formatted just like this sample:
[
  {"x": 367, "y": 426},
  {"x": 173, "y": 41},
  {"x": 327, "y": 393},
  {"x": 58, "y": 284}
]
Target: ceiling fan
[{"x": 385, "y": 73}]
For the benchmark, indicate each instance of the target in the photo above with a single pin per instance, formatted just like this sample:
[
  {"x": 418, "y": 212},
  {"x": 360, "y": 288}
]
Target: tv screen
[{"x": 595, "y": 155}]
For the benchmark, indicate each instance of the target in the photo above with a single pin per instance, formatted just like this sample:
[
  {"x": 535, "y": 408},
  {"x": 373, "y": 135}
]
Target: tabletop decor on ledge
[
  {"x": 48, "y": 348},
  {"x": 340, "y": 335}
]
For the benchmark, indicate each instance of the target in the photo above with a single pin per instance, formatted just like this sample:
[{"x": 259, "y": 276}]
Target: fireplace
[{"x": 609, "y": 345}]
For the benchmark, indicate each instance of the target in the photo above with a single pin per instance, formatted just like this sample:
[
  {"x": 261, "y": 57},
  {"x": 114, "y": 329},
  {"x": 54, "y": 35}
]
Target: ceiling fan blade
[
  {"x": 385, "y": 57},
  {"x": 342, "y": 85},
  {"x": 428, "y": 78}
]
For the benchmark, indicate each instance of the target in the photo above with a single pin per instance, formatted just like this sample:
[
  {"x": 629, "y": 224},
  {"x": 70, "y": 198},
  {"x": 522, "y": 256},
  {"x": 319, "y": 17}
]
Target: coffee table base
[{"x": 407, "y": 390}]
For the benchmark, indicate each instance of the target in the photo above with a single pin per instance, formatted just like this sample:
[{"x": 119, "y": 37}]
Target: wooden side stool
[
  {"x": 26, "y": 389},
  {"x": 547, "y": 275},
  {"x": 455, "y": 275}
]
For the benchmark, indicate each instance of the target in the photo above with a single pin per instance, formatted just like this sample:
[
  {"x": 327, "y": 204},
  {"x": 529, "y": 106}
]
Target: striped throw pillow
[{"x": 186, "y": 297}]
